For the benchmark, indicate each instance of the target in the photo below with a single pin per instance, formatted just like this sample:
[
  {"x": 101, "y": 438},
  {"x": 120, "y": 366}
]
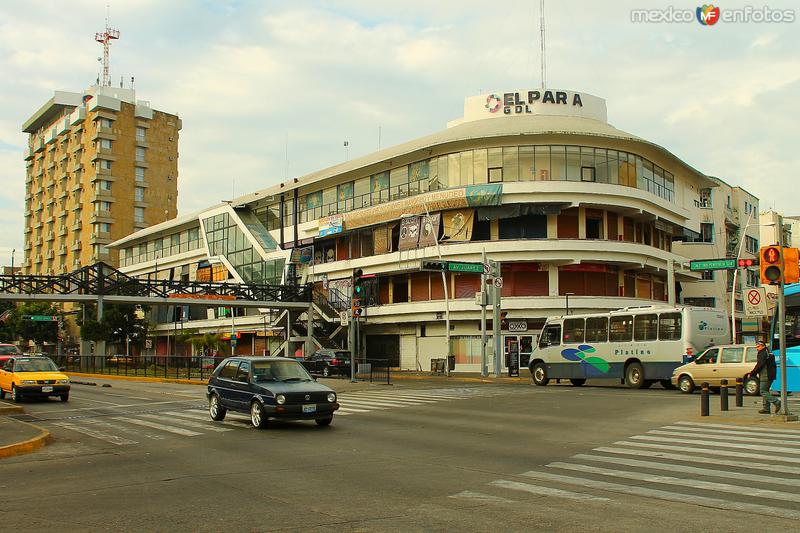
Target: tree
[
  {"x": 207, "y": 343},
  {"x": 7, "y": 334},
  {"x": 123, "y": 324},
  {"x": 92, "y": 330},
  {"x": 36, "y": 331}
]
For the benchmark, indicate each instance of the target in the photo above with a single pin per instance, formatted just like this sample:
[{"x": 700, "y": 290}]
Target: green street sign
[
  {"x": 460, "y": 266},
  {"x": 712, "y": 264},
  {"x": 42, "y": 318}
]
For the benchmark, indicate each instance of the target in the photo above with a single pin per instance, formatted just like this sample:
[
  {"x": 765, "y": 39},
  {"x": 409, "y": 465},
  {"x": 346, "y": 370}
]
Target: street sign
[
  {"x": 498, "y": 283},
  {"x": 755, "y": 302},
  {"x": 42, "y": 318},
  {"x": 487, "y": 268},
  {"x": 712, "y": 264},
  {"x": 517, "y": 325},
  {"x": 451, "y": 266},
  {"x": 344, "y": 317}
]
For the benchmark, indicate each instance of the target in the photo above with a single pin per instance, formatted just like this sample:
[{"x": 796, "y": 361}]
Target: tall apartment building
[
  {"x": 729, "y": 227},
  {"x": 100, "y": 165}
]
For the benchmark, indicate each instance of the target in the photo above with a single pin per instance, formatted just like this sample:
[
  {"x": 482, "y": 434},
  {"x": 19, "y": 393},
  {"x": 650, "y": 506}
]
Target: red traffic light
[
  {"x": 746, "y": 263},
  {"x": 771, "y": 255}
]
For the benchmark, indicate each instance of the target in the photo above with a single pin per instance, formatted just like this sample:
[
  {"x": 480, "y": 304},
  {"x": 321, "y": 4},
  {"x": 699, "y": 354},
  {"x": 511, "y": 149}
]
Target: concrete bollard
[
  {"x": 704, "y": 399},
  {"x": 723, "y": 395},
  {"x": 739, "y": 393}
]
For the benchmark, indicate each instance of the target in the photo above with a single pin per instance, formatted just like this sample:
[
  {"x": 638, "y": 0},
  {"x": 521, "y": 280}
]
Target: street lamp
[
  {"x": 567, "y": 295},
  {"x": 736, "y": 272}
]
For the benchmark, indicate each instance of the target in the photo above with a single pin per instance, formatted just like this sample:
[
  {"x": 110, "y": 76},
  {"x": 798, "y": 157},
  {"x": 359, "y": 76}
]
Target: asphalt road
[{"x": 416, "y": 456}]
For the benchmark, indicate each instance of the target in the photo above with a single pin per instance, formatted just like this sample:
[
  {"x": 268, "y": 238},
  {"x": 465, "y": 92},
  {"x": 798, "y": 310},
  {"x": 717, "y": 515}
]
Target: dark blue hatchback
[{"x": 269, "y": 388}]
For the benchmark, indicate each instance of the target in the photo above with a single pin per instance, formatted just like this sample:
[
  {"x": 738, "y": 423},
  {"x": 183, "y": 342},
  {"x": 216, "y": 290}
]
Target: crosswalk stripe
[
  {"x": 727, "y": 438},
  {"x": 360, "y": 404},
  {"x": 188, "y": 423},
  {"x": 654, "y": 465},
  {"x": 745, "y": 432},
  {"x": 682, "y": 482},
  {"x": 393, "y": 398},
  {"x": 137, "y": 432},
  {"x": 383, "y": 403},
  {"x": 641, "y": 491},
  {"x": 113, "y": 439},
  {"x": 203, "y": 417},
  {"x": 479, "y": 496},
  {"x": 728, "y": 453},
  {"x": 350, "y": 410},
  {"x": 705, "y": 459},
  {"x": 731, "y": 426},
  {"x": 547, "y": 491},
  {"x": 154, "y": 425},
  {"x": 699, "y": 442}
]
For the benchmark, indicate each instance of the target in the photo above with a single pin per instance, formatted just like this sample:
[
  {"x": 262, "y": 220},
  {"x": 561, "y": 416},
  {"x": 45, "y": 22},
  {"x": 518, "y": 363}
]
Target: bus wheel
[
  {"x": 539, "y": 375},
  {"x": 576, "y": 382},
  {"x": 634, "y": 376}
]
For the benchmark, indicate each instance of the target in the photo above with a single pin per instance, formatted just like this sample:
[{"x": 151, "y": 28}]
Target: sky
[{"x": 267, "y": 90}]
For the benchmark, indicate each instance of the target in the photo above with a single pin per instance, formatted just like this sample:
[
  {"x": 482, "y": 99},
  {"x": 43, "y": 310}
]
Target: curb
[
  {"x": 10, "y": 410},
  {"x": 10, "y": 450}
]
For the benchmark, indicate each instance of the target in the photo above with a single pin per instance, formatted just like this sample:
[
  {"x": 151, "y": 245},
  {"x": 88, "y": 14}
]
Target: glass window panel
[
  {"x": 613, "y": 167},
  {"x": 432, "y": 166},
  {"x": 361, "y": 193},
  {"x": 669, "y": 327},
  {"x": 479, "y": 165},
  {"x": 558, "y": 163},
  {"x": 527, "y": 170},
  {"x": 542, "y": 163},
  {"x": 645, "y": 327},
  {"x": 574, "y": 163},
  {"x": 597, "y": 329},
  {"x": 454, "y": 169},
  {"x": 510, "y": 163},
  {"x": 399, "y": 182},
  {"x": 600, "y": 165},
  {"x": 621, "y": 328},
  {"x": 329, "y": 197},
  {"x": 573, "y": 330},
  {"x": 466, "y": 168}
]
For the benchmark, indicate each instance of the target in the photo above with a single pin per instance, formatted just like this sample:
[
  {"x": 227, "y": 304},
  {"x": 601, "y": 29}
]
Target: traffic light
[
  {"x": 358, "y": 292},
  {"x": 356, "y": 307},
  {"x": 747, "y": 263},
  {"x": 771, "y": 265},
  {"x": 434, "y": 266},
  {"x": 791, "y": 269}
]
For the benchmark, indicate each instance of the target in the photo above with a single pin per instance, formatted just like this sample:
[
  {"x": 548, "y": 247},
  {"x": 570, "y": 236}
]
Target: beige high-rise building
[{"x": 100, "y": 165}]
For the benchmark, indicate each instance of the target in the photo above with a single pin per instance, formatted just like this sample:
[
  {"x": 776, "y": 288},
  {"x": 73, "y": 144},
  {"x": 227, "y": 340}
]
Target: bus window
[
  {"x": 597, "y": 329},
  {"x": 645, "y": 327},
  {"x": 573, "y": 330},
  {"x": 669, "y": 327},
  {"x": 551, "y": 336},
  {"x": 792, "y": 327},
  {"x": 621, "y": 328}
]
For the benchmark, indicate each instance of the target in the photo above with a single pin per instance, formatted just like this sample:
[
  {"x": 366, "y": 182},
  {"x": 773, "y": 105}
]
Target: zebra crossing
[
  {"x": 752, "y": 469},
  {"x": 366, "y": 401}
]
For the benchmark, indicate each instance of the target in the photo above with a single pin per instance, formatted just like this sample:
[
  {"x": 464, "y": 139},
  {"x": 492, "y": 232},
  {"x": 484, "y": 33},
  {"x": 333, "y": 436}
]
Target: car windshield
[
  {"x": 35, "y": 365},
  {"x": 8, "y": 350},
  {"x": 279, "y": 371}
]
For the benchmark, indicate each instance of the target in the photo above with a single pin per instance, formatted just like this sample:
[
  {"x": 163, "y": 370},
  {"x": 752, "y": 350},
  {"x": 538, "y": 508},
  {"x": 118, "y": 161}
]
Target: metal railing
[
  {"x": 374, "y": 370},
  {"x": 159, "y": 366}
]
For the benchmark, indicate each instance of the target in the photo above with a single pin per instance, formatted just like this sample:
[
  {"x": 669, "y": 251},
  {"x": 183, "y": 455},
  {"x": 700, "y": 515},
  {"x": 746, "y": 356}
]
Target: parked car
[
  {"x": 7, "y": 351},
  {"x": 23, "y": 376},
  {"x": 328, "y": 362},
  {"x": 269, "y": 388},
  {"x": 729, "y": 362}
]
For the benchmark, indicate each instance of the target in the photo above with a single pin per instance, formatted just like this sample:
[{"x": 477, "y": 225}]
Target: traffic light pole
[
  {"x": 496, "y": 337},
  {"x": 782, "y": 343},
  {"x": 484, "y": 367}
]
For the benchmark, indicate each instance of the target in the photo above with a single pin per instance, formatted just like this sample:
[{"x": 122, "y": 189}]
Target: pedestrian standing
[{"x": 765, "y": 371}]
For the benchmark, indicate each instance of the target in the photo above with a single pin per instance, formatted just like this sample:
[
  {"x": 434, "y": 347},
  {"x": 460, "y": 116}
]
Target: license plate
[
  {"x": 47, "y": 389},
  {"x": 309, "y": 408}
]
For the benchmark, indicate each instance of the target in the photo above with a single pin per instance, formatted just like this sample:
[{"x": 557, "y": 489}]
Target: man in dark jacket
[{"x": 765, "y": 371}]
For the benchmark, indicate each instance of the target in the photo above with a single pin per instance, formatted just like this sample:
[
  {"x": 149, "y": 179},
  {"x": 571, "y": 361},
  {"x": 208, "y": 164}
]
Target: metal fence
[
  {"x": 374, "y": 370},
  {"x": 161, "y": 366}
]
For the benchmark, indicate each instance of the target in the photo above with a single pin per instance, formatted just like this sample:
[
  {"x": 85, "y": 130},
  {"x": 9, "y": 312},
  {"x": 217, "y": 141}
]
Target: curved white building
[{"x": 572, "y": 207}]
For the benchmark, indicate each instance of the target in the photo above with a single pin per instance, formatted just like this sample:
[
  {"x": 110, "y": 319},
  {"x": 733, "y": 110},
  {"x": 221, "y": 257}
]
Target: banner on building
[
  {"x": 409, "y": 233},
  {"x": 381, "y": 241},
  {"x": 429, "y": 230},
  {"x": 302, "y": 256},
  {"x": 458, "y": 225}
]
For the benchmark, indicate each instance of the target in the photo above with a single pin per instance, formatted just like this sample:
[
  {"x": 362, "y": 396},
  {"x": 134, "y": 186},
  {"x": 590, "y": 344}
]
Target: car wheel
[
  {"x": 15, "y": 394},
  {"x": 577, "y": 382},
  {"x": 324, "y": 421},
  {"x": 326, "y": 371},
  {"x": 215, "y": 409},
  {"x": 257, "y": 416},
  {"x": 686, "y": 384},
  {"x": 539, "y": 375},
  {"x": 64, "y": 397},
  {"x": 752, "y": 387},
  {"x": 667, "y": 384},
  {"x": 634, "y": 376}
]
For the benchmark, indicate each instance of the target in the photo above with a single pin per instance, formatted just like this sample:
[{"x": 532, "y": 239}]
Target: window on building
[
  {"x": 138, "y": 214},
  {"x": 139, "y": 194},
  {"x": 140, "y": 153},
  {"x": 105, "y": 143},
  {"x": 707, "y": 275},
  {"x": 103, "y": 227},
  {"x": 700, "y": 302},
  {"x": 104, "y": 164},
  {"x": 194, "y": 234},
  {"x": 751, "y": 244},
  {"x": 753, "y": 278},
  {"x": 139, "y": 173},
  {"x": 706, "y": 233},
  {"x": 105, "y": 123},
  {"x": 140, "y": 133},
  {"x": 102, "y": 206},
  {"x": 104, "y": 185},
  {"x": 175, "y": 239}
]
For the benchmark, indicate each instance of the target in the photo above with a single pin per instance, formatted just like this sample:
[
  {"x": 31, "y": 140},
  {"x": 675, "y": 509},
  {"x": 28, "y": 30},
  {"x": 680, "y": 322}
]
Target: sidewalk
[
  {"x": 18, "y": 437},
  {"x": 747, "y": 415}
]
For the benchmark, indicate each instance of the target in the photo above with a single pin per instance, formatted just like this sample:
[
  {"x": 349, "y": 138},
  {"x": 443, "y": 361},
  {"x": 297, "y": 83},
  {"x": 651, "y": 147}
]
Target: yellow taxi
[{"x": 23, "y": 376}]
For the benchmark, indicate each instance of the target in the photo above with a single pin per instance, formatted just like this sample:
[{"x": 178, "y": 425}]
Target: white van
[{"x": 639, "y": 345}]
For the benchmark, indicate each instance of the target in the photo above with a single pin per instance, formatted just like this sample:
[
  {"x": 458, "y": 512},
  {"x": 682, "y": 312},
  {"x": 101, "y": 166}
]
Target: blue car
[{"x": 269, "y": 388}]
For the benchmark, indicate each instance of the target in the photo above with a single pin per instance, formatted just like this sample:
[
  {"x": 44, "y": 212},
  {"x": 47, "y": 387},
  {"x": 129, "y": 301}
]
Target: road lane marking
[
  {"x": 83, "y": 399},
  {"x": 744, "y": 432},
  {"x": 671, "y": 467},
  {"x": 755, "y": 447},
  {"x": 351, "y": 410},
  {"x": 481, "y": 497},
  {"x": 726, "y": 438},
  {"x": 188, "y": 423},
  {"x": 113, "y": 439},
  {"x": 123, "y": 429},
  {"x": 360, "y": 404},
  {"x": 640, "y": 491},
  {"x": 391, "y": 398},
  {"x": 154, "y": 425},
  {"x": 205, "y": 417},
  {"x": 728, "y": 453},
  {"x": 682, "y": 482},
  {"x": 730, "y": 426},
  {"x": 370, "y": 401},
  {"x": 547, "y": 491},
  {"x": 706, "y": 460}
]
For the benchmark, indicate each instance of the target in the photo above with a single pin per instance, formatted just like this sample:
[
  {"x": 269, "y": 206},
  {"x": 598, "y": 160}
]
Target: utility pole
[
  {"x": 484, "y": 366},
  {"x": 498, "y": 341}
]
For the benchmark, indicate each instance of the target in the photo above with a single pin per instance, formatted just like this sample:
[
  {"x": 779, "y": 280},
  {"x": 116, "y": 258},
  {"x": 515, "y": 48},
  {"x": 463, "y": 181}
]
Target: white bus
[{"x": 639, "y": 345}]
